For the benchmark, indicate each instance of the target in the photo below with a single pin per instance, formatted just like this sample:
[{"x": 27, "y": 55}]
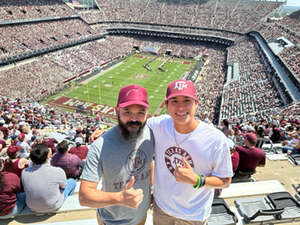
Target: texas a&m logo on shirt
[
  {"x": 136, "y": 162},
  {"x": 173, "y": 156}
]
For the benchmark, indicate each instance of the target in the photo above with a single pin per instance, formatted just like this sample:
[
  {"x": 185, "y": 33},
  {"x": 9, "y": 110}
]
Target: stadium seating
[
  {"x": 29, "y": 9},
  {"x": 76, "y": 46},
  {"x": 252, "y": 188}
]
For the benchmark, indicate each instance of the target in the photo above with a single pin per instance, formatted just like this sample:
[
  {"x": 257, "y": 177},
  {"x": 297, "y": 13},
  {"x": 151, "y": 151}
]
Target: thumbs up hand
[
  {"x": 131, "y": 197},
  {"x": 185, "y": 173}
]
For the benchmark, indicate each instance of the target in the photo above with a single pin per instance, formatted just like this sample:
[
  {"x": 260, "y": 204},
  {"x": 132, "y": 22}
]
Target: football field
[{"x": 149, "y": 71}]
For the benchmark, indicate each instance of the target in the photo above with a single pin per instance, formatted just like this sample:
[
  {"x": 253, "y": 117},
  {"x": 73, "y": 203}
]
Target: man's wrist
[
  {"x": 119, "y": 198},
  {"x": 195, "y": 179},
  {"x": 200, "y": 181}
]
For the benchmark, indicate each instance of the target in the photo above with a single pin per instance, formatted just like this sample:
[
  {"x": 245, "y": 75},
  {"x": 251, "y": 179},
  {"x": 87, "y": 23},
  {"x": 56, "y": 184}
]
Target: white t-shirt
[{"x": 206, "y": 149}]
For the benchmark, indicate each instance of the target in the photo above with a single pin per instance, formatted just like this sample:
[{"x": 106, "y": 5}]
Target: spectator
[
  {"x": 12, "y": 197},
  {"x": 123, "y": 159},
  {"x": 25, "y": 148},
  {"x": 225, "y": 128},
  {"x": 71, "y": 133},
  {"x": 186, "y": 151},
  {"x": 13, "y": 164},
  {"x": 292, "y": 146},
  {"x": 70, "y": 163},
  {"x": 14, "y": 132},
  {"x": 260, "y": 132},
  {"x": 3, "y": 129},
  {"x": 235, "y": 158},
  {"x": 250, "y": 156},
  {"x": 2, "y": 144},
  {"x": 275, "y": 136},
  {"x": 50, "y": 142},
  {"x": 267, "y": 130},
  {"x": 97, "y": 133},
  {"x": 46, "y": 187},
  {"x": 80, "y": 150}
]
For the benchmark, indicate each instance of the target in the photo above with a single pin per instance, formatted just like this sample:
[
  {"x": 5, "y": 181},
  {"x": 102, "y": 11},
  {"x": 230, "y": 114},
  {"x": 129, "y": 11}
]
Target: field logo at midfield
[{"x": 88, "y": 107}]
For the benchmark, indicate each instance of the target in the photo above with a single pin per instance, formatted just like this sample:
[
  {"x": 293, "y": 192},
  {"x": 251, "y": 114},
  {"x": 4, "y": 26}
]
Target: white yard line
[{"x": 100, "y": 73}]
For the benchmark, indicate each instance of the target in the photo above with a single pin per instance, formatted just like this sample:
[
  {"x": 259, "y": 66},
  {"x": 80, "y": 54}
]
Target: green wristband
[{"x": 199, "y": 182}]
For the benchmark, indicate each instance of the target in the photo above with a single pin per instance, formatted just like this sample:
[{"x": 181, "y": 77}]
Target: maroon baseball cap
[
  {"x": 181, "y": 87},
  {"x": 250, "y": 137},
  {"x": 133, "y": 95},
  {"x": 21, "y": 136},
  {"x": 12, "y": 150}
]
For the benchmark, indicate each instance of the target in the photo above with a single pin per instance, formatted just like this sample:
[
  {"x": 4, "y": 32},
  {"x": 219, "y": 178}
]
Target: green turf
[{"x": 104, "y": 88}]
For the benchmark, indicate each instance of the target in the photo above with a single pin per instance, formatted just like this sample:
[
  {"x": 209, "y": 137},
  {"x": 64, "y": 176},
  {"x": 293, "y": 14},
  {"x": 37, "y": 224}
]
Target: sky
[{"x": 293, "y": 3}]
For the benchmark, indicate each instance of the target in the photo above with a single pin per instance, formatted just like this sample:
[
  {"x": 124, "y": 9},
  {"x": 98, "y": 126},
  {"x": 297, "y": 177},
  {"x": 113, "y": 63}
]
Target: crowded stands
[
  {"x": 29, "y": 9},
  {"x": 290, "y": 55},
  {"x": 247, "y": 98},
  {"x": 190, "y": 13},
  {"x": 253, "y": 78},
  {"x": 41, "y": 35}
]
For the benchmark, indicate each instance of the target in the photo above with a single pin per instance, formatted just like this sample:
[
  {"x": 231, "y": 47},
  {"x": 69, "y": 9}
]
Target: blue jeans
[
  {"x": 70, "y": 188},
  {"x": 20, "y": 204},
  {"x": 289, "y": 149}
]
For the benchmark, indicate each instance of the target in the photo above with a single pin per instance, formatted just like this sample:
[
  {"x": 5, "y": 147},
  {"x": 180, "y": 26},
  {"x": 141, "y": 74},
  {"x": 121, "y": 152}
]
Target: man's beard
[{"x": 127, "y": 134}]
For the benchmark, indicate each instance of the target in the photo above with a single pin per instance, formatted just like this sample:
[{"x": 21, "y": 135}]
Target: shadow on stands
[
  {"x": 242, "y": 176},
  {"x": 32, "y": 218}
]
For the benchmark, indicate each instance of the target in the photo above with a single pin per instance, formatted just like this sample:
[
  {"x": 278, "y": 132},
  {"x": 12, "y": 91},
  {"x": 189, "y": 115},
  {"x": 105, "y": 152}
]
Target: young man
[
  {"x": 122, "y": 157},
  {"x": 46, "y": 186},
  {"x": 191, "y": 160},
  {"x": 249, "y": 156}
]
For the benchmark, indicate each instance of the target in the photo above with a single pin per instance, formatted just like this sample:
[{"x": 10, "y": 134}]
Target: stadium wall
[
  {"x": 166, "y": 25},
  {"x": 38, "y": 20},
  {"x": 294, "y": 83},
  {"x": 168, "y": 34}
]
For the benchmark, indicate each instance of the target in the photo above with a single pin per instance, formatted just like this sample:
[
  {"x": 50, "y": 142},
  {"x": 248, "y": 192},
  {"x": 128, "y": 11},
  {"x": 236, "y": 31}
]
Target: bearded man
[{"x": 123, "y": 159}]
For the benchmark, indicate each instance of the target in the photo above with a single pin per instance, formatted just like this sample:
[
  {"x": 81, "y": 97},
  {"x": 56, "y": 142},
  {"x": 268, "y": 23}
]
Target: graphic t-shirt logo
[
  {"x": 136, "y": 162},
  {"x": 173, "y": 156},
  {"x": 180, "y": 85}
]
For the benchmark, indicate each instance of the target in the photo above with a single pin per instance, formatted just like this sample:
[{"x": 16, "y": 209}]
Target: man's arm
[
  {"x": 152, "y": 173},
  {"x": 217, "y": 182},
  {"x": 185, "y": 174},
  {"x": 90, "y": 196}
]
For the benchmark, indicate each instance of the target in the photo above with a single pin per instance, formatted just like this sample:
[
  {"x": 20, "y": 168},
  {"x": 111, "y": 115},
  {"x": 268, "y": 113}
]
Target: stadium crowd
[
  {"x": 292, "y": 22},
  {"x": 290, "y": 55},
  {"x": 18, "y": 10},
  {"x": 253, "y": 90},
  {"x": 211, "y": 14},
  {"x": 16, "y": 39},
  {"x": 210, "y": 85}
]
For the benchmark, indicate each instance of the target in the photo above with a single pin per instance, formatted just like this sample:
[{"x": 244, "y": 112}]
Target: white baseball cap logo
[
  {"x": 180, "y": 85},
  {"x": 132, "y": 90}
]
